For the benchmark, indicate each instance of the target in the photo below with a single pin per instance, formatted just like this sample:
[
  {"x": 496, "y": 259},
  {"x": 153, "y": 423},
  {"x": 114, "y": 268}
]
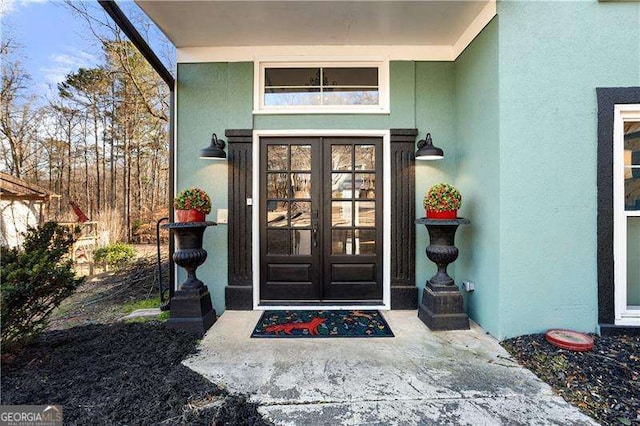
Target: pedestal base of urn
[
  {"x": 443, "y": 310},
  {"x": 192, "y": 311}
]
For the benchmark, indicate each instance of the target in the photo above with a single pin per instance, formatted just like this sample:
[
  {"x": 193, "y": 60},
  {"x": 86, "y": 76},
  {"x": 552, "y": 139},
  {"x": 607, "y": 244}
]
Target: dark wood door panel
[
  {"x": 280, "y": 291},
  {"x": 289, "y": 201},
  {"x": 346, "y": 272},
  {"x": 289, "y": 272},
  {"x": 352, "y": 194}
]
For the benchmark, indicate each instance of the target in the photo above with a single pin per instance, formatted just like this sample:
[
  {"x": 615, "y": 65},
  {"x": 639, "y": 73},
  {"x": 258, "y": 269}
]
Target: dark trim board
[
  {"x": 404, "y": 293},
  {"x": 607, "y": 99},
  {"x": 618, "y": 330},
  {"x": 239, "y": 290}
]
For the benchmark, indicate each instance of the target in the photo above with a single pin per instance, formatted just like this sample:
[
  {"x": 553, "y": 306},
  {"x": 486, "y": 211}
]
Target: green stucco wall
[
  {"x": 552, "y": 56},
  {"x": 211, "y": 98},
  {"x": 435, "y": 113},
  {"x": 478, "y": 175}
]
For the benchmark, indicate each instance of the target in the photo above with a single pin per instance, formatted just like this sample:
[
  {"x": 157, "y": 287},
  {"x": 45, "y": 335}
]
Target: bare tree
[
  {"x": 18, "y": 116},
  {"x": 102, "y": 141}
]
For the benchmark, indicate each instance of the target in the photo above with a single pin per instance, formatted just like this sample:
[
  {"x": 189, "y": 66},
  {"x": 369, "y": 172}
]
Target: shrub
[
  {"x": 442, "y": 197},
  {"x": 35, "y": 279},
  {"x": 193, "y": 198},
  {"x": 115, "y": 255}
]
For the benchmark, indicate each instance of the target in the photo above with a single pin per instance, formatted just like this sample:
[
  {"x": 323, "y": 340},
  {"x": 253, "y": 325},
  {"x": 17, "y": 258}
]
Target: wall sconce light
[
  {"x": 215, "y": 151},
  {"x": 426, "y": 150}
]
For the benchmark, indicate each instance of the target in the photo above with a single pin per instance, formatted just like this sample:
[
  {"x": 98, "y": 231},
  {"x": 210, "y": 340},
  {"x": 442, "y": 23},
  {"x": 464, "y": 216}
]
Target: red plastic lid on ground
[{"x": 571, "y": 340}]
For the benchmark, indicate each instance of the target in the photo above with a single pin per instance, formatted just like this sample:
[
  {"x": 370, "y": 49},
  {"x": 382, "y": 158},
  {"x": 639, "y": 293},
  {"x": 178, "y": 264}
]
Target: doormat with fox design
[{"x": 322, "y": 324}]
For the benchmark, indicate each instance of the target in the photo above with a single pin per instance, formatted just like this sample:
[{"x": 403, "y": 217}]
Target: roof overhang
[
  {"x": 241, "y": 30},
  {"x": 13, "y": 188}
]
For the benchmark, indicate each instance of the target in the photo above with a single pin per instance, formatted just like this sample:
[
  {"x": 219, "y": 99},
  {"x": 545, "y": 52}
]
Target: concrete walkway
[{"x": 418, "y": 377}]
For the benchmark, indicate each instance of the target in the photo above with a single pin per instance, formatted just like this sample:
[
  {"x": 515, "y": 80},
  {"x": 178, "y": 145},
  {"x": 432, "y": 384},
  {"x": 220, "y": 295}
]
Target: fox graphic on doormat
[{"x": 311, "y": 326}]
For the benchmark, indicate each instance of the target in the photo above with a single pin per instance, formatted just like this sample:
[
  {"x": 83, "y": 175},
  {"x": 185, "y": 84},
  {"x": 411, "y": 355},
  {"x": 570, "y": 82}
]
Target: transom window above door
[{"x": 336, "y": 87}]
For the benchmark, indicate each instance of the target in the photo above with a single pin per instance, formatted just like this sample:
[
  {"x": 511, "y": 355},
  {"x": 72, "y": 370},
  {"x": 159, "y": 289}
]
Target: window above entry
[{"x": 317, "y": 88}]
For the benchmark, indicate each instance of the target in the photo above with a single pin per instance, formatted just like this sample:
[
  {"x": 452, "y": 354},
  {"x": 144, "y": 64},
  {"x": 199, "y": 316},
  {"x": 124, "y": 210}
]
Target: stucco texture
[
  {"x": 478, "y": 176},
  {"x": 211, "y": 98},
  {"x": 552, "y": 56}
]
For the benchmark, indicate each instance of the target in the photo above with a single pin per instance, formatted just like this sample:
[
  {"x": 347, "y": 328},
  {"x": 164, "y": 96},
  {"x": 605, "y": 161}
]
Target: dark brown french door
[{"x": 320, "y": 219}]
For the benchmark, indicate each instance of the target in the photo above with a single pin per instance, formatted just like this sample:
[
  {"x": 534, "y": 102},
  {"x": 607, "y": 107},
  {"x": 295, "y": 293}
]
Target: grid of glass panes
[
  {"x": 288, "y": 198},
  {"x": 632, "y": 206},
  {"x": 317, "y": 86},
  {"x": 353, "y": 195}
]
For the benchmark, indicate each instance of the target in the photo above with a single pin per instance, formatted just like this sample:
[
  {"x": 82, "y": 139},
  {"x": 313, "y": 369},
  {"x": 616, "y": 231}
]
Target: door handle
[{"x": 314, "y": 228}]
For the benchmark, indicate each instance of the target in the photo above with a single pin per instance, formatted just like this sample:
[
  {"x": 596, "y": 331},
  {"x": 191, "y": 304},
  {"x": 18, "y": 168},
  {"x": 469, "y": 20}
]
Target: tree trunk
[{"x": 97, "y": 152}]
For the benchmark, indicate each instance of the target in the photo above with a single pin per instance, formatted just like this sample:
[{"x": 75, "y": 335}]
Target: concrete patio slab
[{"x": 417, "y": 377}]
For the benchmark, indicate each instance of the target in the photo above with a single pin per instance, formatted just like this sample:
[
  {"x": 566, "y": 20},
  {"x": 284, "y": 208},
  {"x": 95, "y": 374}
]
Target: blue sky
[
  {"x": 51, "y": 40},
  {"x": 54, "y": 42}
]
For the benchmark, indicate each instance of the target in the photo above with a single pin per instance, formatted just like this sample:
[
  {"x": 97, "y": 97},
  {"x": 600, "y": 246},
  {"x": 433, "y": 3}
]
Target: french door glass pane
[
  {"x": 301, "y": 241},
  {"x": 338, "y": 183},
  {"x": 301, "y": 184},
  {"x": 341, "y": 241},
  {"x": 277, "y": 213},
  {"x": 632, "y": 165},
  {"x": 365, "y": 213},
  {"x": 301, "y": 214},
  {"x": 365, "y": 157},
  {"x": 341, "y": 213},
  {"x": 341, "y": 157},
  {"x": 365, "y": 185},
  {"x": 277, "y": 185},
  {"x": 366, "y": 241},
  {"x": 276, "y": 157},
  {"x": 301, "y": 157},
  {"x": 633, "y": 261},
  {"x": 278, "y": 241}
]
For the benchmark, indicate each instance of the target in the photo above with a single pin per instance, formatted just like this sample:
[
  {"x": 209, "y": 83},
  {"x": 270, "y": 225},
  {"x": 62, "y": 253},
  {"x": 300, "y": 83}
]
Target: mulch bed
[
  {"x": 121, "y": 374},
  {"x": 603, "y": 383},
  {"x": 100, "y": 299}
]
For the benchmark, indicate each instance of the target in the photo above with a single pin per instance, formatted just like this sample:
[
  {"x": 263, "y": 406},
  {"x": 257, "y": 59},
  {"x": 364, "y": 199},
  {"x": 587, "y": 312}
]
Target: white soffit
[{"x": 205, "y": 31}]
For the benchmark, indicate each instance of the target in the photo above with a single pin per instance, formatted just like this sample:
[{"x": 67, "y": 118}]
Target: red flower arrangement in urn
[
  {"x": 442, "y": 201},
  {"x": 192, "y": 205}
]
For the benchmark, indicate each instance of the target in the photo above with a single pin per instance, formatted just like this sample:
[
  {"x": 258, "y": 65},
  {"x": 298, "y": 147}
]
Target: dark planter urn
[
  {"x": 191, "y": 307},
  {"x": 188, "y": 251},
  {"x": 442, "y": 305}
]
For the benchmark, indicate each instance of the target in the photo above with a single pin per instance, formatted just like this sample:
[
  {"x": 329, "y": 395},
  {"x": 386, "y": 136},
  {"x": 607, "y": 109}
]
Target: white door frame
[
  {"x": 386, "y": 213},
  {"x": 623, "y": 315}
]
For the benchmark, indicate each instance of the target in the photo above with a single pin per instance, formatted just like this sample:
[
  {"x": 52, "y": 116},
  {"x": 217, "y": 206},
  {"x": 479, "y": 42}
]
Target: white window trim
[
  {"x": 623, "y": 315},
  {"x": 383, "y": 86},
  {"x": 386, "y": 214}
]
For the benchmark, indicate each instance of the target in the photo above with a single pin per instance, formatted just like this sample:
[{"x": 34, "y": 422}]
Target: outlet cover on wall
[{"x": 222, "y": 215}]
